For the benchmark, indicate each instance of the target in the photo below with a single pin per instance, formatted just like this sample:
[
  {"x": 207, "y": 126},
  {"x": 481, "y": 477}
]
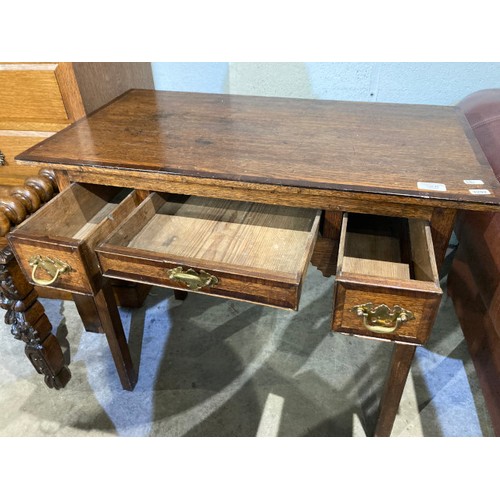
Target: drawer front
[
  {"x": 223, "y": 284},
  {"x": 41, "y": 260},
  {"x": 11, "y": 144},
  {"x": 387, "y": 285},
  {"x": 55, "y": 246},
  {"x": 347, "y": 318},
  {"x": 30, "y": 98},
  {"x": 245, "y": 251}
]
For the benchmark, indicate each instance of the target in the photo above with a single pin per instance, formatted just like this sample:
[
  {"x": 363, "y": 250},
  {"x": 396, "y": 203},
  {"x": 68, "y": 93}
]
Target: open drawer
[
  {"x": 241, "y": 250},
  {"x": 55, "y": 246},
  {"x": 387, "y": 284}
]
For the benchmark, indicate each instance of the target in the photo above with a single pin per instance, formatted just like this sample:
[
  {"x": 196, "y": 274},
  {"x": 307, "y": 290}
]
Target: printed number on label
[
  {"x": 479, "y": 191},
  {"x": 431, "y": 186}
]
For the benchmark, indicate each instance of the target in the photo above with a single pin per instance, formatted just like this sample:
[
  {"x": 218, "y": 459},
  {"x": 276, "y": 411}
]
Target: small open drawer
[
  {"x": 246, "y": 251},
  {"x": 55, "y": 246},
  {"x": 387, "y": 284}
]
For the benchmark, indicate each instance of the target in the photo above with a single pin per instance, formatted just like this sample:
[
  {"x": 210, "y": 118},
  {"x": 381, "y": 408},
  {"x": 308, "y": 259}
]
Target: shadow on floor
[{"x": 210, "y": 366}]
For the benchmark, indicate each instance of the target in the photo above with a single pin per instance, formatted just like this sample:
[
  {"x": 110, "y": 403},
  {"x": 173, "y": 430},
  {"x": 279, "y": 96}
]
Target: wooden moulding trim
[
  {"x": 324, "y": 199},
  {"x": 155, "y": 176},
  {"x": 25, "y": 133},
  {"x": 343, "y": 236},
  {"x": 70, "y": 92},
  {"x": 314, "y": 197},
  {"x": 147, "y": 258},
  {"x": 311, "y": 242},
  {"x": 216, "y": 292},
  {"x": 415, "y": 342},
  {"x": 68, "y": 289},
  {"x": 432, "y": 257},
  {"x": 358, "y": 282},
  {"x": 42, "y": 240},
  {"x": 42, "y": 126},
  {"x": 28, "y": 67}
]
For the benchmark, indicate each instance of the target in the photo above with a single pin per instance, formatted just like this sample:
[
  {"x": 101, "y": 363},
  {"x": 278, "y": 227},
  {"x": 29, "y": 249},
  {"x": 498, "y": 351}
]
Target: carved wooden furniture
[
  {"x": 37, "y": 100},
  {"x": 234, "y": 195}
]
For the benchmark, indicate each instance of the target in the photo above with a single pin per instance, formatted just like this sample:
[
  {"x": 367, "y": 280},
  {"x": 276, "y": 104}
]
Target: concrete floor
[{"x": 214, "y": 367}]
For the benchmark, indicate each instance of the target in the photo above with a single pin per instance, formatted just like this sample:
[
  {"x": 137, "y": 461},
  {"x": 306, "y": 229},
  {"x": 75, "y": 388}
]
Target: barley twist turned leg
[
  {"x": 29, "y": 322},
  {"x": 18, "y": 297}
]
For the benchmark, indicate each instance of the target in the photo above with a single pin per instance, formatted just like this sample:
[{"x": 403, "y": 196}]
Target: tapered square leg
[
  {"x": 402, "y": 358},
  {"x": 107, "y": 311}
]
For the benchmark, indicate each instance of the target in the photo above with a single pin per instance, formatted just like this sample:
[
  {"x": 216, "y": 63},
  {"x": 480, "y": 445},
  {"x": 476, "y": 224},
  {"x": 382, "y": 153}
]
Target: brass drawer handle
[
  {"x": 2, "y": 159},
  {"x": 54, "y": 267},
  {"x": 191, "y": 278},
  {"x": 382, "y": 319}
]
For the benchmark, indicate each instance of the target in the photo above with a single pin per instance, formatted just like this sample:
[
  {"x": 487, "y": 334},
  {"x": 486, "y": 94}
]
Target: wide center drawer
[
  {"x": 387, "y": 284},
  {"x": 246, "y": 251}
]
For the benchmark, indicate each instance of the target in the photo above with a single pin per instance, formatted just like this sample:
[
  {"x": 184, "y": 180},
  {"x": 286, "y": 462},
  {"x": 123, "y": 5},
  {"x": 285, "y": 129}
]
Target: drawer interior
[
  {"x": 388, "y": 247},
  {"x": 64, "y": 233},
  {"x": 75, "y": 212},
  {"x": 229, "y": 235}
]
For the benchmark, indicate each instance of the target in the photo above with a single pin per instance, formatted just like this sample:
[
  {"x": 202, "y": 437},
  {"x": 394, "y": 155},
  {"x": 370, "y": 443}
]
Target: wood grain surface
[
  {"x": 376, "y": 266},
  {"x": 11, "y": 144},
  {"x": 259, "y": 253},
  {"x": 68, "y": 228},
  {"x": 100, "y": 82},
  {"x": 238, "y": 234},
  {"x": 30, "y": 98},
  {"x": 347, "y": 146},
  {"x": 349, "y": 293},
  {"x": 402, "y": 357}
]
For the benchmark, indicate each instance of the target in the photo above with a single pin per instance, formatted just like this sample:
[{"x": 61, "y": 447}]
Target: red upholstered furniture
[{"x": 474, "y": 279}]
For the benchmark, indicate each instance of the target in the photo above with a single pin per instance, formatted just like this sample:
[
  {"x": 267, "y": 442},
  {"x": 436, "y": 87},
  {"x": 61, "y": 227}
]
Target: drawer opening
[
  {"x": 387, "y": 284},
  {"x": 238, "y": 235},
  {"x": 241, "y": 250},
  {"x": 63, "y": 234},
  {"x": 76, "y": 212},
  {"x": 388, "y": 247}
]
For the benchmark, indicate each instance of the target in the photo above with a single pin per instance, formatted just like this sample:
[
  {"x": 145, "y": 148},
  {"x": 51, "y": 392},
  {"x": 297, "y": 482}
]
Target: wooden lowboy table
[{"x": 367, "y": 191}]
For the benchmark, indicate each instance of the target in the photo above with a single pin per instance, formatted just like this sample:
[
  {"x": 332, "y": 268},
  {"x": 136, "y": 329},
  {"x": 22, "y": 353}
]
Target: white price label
[
  {"x": 431, "y": 186},
  {"x": 471, "y": 181},
  {"x": 479, "y": 191}
]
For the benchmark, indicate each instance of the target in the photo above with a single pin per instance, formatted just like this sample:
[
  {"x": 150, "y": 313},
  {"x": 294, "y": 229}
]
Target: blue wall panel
[
  {"x": 190, "y": 77},
  {"x": 417, "y": 83}
]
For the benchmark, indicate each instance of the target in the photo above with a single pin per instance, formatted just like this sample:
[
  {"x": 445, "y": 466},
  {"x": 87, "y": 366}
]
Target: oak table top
[{"x": 424, "y": 153}]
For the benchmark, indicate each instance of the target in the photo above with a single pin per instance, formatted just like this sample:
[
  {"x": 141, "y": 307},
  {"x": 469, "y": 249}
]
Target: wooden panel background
[{"x": 30, "y": 98}]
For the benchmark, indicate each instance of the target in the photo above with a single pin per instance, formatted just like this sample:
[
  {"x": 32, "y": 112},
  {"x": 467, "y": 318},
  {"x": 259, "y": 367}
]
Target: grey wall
[{"x": 417, "y": 83}]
